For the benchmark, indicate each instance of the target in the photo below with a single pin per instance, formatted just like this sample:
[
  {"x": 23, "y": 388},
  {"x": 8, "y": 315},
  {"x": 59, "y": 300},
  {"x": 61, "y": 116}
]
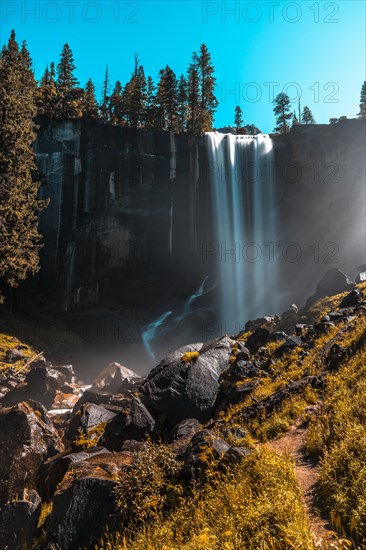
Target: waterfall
[{"x": 241, "y": 170}]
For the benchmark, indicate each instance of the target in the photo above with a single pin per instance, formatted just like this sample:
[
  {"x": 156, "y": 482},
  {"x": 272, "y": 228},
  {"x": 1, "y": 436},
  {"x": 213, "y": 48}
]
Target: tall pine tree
[
  {"x": 238, "y": 118},
  {"x": 167, "y": 100},
  {"x": 19, "y": 203},
  {"x": 208, "y": 101},
  {"x": 182, "y": 98},
  {"x": 47, "y": 93},
  {"x": 193, "y": 123},
  {"x": 89, "y": 103},
  {"x": 69, "y": 94},
  {"x": 282, "y": 113},
  {"x": 117, "y": 105}
]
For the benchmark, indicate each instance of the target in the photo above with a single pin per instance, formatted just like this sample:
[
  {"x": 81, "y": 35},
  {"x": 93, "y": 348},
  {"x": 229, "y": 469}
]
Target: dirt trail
[{"x": 307, "y": 473}]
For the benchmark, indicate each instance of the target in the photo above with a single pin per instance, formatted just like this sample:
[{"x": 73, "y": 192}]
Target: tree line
[{"x": 181, "y": 104}]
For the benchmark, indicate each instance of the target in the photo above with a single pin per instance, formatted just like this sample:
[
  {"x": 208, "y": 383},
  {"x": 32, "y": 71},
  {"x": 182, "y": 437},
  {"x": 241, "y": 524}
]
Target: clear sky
[{"x": 257, "y": 47}]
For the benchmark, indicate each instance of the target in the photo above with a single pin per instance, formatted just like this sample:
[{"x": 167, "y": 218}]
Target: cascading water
[{"x": 242, "y": 175}]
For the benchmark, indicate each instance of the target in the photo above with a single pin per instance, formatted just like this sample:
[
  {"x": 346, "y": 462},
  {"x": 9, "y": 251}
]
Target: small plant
[
  {"x": 190, "y": 356},
  {"x": 85, "y": 440},
  {"x": 151, "y": 484}
]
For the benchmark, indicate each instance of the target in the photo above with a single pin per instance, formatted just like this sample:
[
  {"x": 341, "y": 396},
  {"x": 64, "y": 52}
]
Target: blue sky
[{"x": 259, "y": 49}]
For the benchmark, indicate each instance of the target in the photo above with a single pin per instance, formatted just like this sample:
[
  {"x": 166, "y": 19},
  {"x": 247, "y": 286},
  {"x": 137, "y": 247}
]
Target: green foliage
[
  {"x": 69, "y": 104},
  {"x": 362, "y": 113},
  {"x": 282, "y": 112},
  {"x": 307, "y": 116},
  {"x": 238, "y": 119},
  {"x": 19, "y": 203},
  {"x": 150, "y": 484}
]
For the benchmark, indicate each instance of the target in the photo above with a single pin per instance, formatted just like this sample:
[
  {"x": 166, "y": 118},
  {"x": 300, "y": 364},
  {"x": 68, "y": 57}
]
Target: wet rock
[
  {"x": 81, "y": 513},
  {"x": 185, "y": 385},
  {"x": 68, "y": 372},
  {"x": 134, "y": 421},
  {"x": 257, "y": 339},
  {"x": 235, "y": 393},
  {"x": 278, "y": 336},
  {"x": 323, "y": 327},
  {"x": 240, "y": 370},
  {"x": 18, "y": 521},
  {"x": 27, "y": 438},
  {"x": 352, "y": 299},
  {"x": 335, "y": 356}
]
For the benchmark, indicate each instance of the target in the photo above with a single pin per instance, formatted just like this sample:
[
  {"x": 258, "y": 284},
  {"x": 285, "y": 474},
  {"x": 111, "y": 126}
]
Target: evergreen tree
[
  {"x": 362, "y": 113},
  {"x": 70, "y": 95},
  {"x": 116, "y": 105},
  {"x": 282, "y": 113},
  {"x": 208, "y": 101},
  {"x": 193, "y": 96},
  {"x": 307, "y": 116},
  {"x": 295, "y": 120},
  {"x": 150, "y": 114},
  {"x": 19, "y": 204},
  {"x": 135, "y": 97},
  {"x": 47, "y": 93},
  {"x": 104, "y": 107},
  {"x": 167, "y": 100},
  {"x": 333, "y": 120},
  {"x": 90, "y": 105},
  {"x": 182, "y": 98},
  {"x": 238, "y": 119}
]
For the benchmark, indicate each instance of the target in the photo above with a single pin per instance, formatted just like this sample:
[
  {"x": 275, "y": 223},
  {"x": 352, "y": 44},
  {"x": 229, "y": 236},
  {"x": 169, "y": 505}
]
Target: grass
[
  {"x": 8, "y": 342},
  {"x": 338, "y": 437},
  {"x": 255, "y": 505}
]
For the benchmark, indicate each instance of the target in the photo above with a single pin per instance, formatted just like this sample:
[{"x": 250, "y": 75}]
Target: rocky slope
[{"x": 68, "y": 451}]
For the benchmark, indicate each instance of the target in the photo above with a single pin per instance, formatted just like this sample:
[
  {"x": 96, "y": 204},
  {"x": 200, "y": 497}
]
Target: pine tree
[
  {"x": 135, "y": 97},
  {"x": 167, "y": 100},
  {"x": 90, "y": 105},
  {"x": 182, "y": 98},
  {"x": 69, "y": 94},
  {"x": 238, "y": 119},
  {"x": 282, "y": 113},
  {"x": 362, "y": 113},
  {"x": 150, "y": 115},
  {"x": 295, "y": 120},
  {"x": 47, "y": 93},
  {"x": 307, "y": 116},
  {"x": 19, "y": 204},
  {"x": 208, "y": 101},
  {"x": 117, "y": 105},
  {"x": 193, "y": 96}
]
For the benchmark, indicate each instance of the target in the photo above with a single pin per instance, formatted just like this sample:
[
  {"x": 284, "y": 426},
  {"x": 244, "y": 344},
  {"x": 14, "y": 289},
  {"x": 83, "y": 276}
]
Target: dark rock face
[
  {"x": 188, "y": 388},
  {"x": 134, "y": 421},
  {"x": 333, "y": 282},
  {"x": 27, "y": 438},
  {"x": 116, "y": 378},
  {"x": 18, "y": 521},
  {"x": 257, "y": 339},
  {"x": 88, "y": 417},
  {"x": 352, "y": 299},
  {"x": 80, "y": 513}
]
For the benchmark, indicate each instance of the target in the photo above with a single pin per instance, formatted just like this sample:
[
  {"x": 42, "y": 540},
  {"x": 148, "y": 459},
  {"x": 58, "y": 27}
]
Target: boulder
[
  {"x": 352, "y": 299},
  {"x": 13, "y": 355},
  {"x": 100, "y": 397},
  {"x": 289, "y": 344},
  {"x": 116, "y": 377},
  {"x": 88, "y": 417},
  {"x": 27, "y": 438},
  {"x": 133, "y": 421},
  {"x": 333, "y": 282},
  {"x": 236, "y": 392},
  {"x": 263, "y": 322},
  {"x": 18, "y": 521},
  {"x": 81, "y": 513},
  {"x": 205, "y": 447},
  {"x": 257, "y": 339},
  {"x": 185, "y": 384},
  {"x": 41, "y": 384}
]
